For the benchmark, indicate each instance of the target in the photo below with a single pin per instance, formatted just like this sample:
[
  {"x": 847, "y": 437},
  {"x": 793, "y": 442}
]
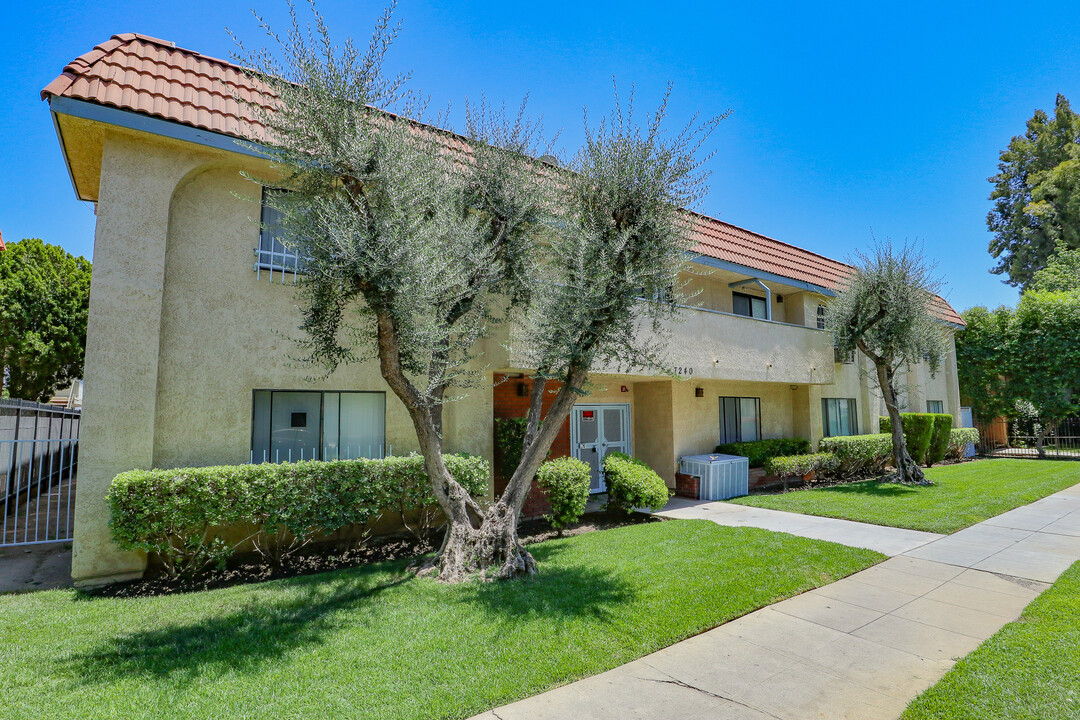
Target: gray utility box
[{"x": 722, "y": 476}]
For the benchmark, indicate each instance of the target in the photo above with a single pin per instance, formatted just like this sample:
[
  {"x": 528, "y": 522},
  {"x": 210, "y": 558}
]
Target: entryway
[{"x": 596, "y": 430}]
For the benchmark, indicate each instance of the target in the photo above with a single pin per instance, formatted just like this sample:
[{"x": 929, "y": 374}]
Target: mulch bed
[{"x": 251, "y": 568}]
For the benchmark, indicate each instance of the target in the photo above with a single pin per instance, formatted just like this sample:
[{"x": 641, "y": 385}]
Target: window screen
[
  {"x": 935, "y": 406},
  {"x": 839, "y": 416},
  {"x": 748, "y": 305},
  {"x": 272, "y": 253},
  {"x": 740, "y": 419},
  {"x": 288, "y": 426}
]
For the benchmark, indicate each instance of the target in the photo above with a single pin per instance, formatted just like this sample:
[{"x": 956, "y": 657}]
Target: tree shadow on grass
[
  {"x": 238, "y": 641},
  {"x": 872, "y": 488},
  {"x": 561, "y": 591}
]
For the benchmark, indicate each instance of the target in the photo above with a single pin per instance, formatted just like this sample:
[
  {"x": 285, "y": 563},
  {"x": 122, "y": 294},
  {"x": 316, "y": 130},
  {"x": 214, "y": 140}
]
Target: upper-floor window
[
  {"x": 740, "y": 419},
  {"x": 935, "y": 406},
  {"x": 839, "y": 416},
  {"x": 272, "y": 255},
  {"x": 749, "y": 305},
  {"x": 846, "y": 358},
  {"x": 820, "y": 317}
]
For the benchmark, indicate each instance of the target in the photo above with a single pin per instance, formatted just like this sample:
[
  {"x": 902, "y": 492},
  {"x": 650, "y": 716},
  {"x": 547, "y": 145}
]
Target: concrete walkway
[
  {"x": 885, "y": 540},
  {"x": 860, "y": 648},
  {"x": 35, "y": 567}
]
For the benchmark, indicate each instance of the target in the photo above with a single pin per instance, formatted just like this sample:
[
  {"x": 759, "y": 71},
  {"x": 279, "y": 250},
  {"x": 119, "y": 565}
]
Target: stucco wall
[{"x": 182, "y": 331}]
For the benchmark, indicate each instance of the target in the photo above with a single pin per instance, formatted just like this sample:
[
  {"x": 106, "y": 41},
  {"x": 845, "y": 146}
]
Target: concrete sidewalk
[
  {"x": 885, "y": 540},
  {"x": 860, "y": 648},
  {"x": 35, "y": 567}
]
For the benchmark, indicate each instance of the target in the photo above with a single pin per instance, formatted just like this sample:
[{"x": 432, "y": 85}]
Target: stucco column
[
  {"x": 653, "y": 422},
  {"x": 117, "y": 429},
  {"x": 952, "y": 383}
]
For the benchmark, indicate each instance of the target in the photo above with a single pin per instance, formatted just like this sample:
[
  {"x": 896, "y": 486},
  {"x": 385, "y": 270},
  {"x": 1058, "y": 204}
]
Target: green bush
[
  {"x": 918, "y": 428},
  {"x": 939, "y": 438},
  {"x": 959, "y": 439},
  {"x": 758, "y": 452},
  {"x": 177, "y": 514},
  {"x": 859, "y": 455},
  {"x": 510, "y": 439},
  {"x": 790, "y": 466},
  {"x": 566, "y": 481},
  {"x": 633, "y": 484}
]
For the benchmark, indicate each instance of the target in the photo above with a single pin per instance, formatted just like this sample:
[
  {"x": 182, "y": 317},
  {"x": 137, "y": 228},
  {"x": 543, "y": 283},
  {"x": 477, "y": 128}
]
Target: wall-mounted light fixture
[
  {"x": 623, "y": 388},
  {"x": 699, "y": 392},
  {"x": 794, "y": 387}
]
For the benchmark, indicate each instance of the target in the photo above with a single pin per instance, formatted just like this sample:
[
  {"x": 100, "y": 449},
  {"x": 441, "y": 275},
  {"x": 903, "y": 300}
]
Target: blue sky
[{"x": 846, "y": 117}]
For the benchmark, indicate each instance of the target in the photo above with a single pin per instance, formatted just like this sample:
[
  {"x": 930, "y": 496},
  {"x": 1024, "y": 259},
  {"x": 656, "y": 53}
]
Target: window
[
  {"x": 935, "y": 406},
  {"x": 292, "y": 425},
  {"x": 748, "y": 305},
  {"x": 272, "y": 254},
  {"x": 740, "y": 419},
  {"x": 820, "y": 317},
  {"x": 839, "y": 416},
  {"x": 846, "y": 358}
]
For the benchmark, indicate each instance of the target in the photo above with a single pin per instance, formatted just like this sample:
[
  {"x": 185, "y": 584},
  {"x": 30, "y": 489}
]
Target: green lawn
[
  {"x": 1029, "y": 670},
  {"x": 964, "y": 494},
  {"x": 375, "y": 642}
]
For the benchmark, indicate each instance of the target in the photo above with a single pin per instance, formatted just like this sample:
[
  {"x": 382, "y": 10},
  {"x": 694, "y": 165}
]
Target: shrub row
[
  {"x": 925, "y": 434},
  {"x": 566, "y": 481},
  {"x": 633, "y": 484},
  {"x": 800, "y": 466},
  {"x": 177, "y": 514},
  {"x": 760, "y": 451},
  {"x": 858, "y": 455},
  {"x": 959, "y": 439}
]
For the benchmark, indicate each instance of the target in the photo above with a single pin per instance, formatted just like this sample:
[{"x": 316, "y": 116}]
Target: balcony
[{"x": 723, "y": 346}]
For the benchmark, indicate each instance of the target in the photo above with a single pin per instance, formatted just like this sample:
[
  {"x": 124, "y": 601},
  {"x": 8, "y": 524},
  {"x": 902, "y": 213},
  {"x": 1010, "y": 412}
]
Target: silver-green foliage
[
  {"x": 886, "y": 309},
  {"x": 791, "y": 466},
  {"x": 180, "y": 514},
  {"x": 566, "y": 481},
  {"x": 959, "y": 439}
]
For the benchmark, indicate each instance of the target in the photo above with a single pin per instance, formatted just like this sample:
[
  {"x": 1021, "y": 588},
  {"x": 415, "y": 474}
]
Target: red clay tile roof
[{"x": 143, "y": 74}]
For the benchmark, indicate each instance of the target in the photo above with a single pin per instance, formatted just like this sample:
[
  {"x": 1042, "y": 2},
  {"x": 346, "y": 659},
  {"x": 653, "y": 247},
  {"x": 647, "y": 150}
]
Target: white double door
[{"x": 596, "y": 430}]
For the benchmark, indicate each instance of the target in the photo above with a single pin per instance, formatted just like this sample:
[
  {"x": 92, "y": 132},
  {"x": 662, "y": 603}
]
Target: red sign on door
[{"x": 587, "y": 414}]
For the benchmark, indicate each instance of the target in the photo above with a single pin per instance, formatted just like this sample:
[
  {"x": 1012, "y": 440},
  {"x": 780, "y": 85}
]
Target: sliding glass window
[
  {"x": 839, "y": 416},
  {"x": 292, "y": 425}
]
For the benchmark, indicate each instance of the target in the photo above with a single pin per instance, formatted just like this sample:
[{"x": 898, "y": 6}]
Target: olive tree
[
  {"x": 416, "y": 242},
  {"x": 885, "y": 309}
]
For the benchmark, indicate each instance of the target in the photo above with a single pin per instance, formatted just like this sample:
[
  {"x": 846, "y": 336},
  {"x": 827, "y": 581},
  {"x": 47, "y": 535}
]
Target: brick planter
[{"x": 688, "y": 486}]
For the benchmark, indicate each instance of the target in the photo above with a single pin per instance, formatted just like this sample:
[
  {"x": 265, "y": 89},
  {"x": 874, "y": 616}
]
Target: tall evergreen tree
[{"x": 1037, "y": 195}]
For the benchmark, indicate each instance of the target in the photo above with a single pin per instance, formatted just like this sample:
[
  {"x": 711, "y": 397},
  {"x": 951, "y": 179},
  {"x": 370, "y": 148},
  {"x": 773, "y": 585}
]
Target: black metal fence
[
  {"x": 1030, "y": 437},
  {"x": 39, "y": 455}
]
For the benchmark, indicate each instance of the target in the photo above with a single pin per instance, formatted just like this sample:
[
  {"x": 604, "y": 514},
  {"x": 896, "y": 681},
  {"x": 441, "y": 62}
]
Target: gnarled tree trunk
[
  {"x": 907, "y": 470},
  {"x": 477, "y": 541}
]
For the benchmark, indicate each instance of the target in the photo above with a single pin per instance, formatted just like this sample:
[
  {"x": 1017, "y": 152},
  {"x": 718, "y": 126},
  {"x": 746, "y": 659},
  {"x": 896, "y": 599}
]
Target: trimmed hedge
[
  {"x": 939, "y": 438},
  {"x": 859, "y": 455},
  {"x": 760, "y": 451},
  {"x": 959, "y": 439},
  {"x": 177, "y": 514},
  {"x": 917, "y": 429},
  {"x": 633, "y": 484},
  {"x": 790, "y": 466},
  {"x": 566, "y": 481},
  {"x": 925, "y": 434}
]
